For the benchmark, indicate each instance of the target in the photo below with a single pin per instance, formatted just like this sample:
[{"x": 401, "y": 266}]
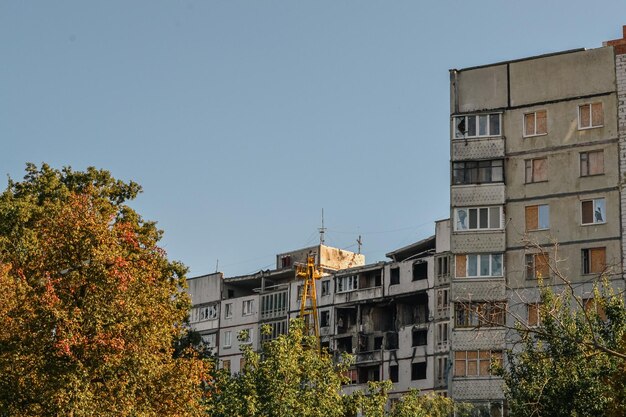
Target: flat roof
[{"x": 569, "y": 51}]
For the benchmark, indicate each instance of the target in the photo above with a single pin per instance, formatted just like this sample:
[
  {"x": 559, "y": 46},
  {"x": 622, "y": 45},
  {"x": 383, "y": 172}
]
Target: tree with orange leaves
[{"x": 90, "y": 305}]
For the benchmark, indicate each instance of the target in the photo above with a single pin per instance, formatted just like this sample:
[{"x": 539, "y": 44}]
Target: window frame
[
  {"x": 478, "y": 218},
  {"x": 587, "y": 260},
  {"x": 247, "y": 307},
  {"x": 539, "y": 209},
  {"x": 347, "y": 283},
  {"x": 476, "y": 117},
  {"x": 532, "y": 179},
  {"x": 325, "y": 287},
  {"x": 587, "y": 162},
  {"x": 534, "y": 258},
  {"x": 525, "y": 134},
  {"x": 479, "y": 169},
  {"x": 479, "y": 259},
  {"x": 473, "y": 315},
  {"x": 228, "y": 339},
  {"x": 594, "y": 207},
  {"x": 416, "y": 370},
  {"x": 228, "y": 310},
  {"x": 492, "y": 355},
  {"x": 591, "y": 122}
]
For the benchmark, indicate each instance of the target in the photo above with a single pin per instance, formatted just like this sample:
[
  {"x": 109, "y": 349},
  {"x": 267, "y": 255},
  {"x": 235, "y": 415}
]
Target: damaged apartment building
[
  {"x": 538, "y": 156},
  {"x": 393, "y": 316}
]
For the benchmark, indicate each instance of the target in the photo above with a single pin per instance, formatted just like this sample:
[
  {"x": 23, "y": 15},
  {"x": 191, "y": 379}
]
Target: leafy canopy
[{"x": 90, "y": 306}]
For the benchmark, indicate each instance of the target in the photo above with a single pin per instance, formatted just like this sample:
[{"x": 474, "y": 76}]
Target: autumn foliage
[{"x": 90, "y": 305}]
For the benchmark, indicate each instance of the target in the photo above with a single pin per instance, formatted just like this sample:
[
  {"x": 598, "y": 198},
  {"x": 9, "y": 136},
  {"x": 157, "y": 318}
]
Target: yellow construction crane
[{"x": 308, "y": 300}]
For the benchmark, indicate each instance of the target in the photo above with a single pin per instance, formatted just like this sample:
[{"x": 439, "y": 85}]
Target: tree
[
  {"x": 90, "y": 305},
  {"x": 572, "y": 363}
]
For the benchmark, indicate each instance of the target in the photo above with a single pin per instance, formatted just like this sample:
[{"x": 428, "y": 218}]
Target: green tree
[
  {"x": 572, "y": 364},
  {"x": 90, "y": 305}
]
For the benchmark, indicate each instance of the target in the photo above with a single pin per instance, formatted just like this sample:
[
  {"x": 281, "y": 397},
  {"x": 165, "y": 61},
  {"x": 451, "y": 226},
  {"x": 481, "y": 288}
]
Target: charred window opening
[
  {"x": 413, "y": 310},
  {"x": 344, "y": 344},
  {"x": 378, "y": 343},
  {"x": 420, "y": 337},
  {"x": 391, "y": 340},
  {"x": 418, "y": 371},
  {"x": 395, "y": 276},
  {"x": 420, "y": 270},
  {"x": 377, "y": 318},
  {"x": 370, "y": 279},
  {"x": 346, "y": 320},
  {"x": 324, "y": 318},
  {"x": 393, "y": 373},
  {"x": 368, "y": 373}
]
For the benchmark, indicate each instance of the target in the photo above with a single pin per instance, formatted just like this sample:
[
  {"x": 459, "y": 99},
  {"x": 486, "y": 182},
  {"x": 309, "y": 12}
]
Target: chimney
[{"x": 619, "y": 45}]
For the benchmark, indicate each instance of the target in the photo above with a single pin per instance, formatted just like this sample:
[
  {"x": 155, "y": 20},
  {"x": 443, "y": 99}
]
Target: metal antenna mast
[{"x": 322, "y": 229}]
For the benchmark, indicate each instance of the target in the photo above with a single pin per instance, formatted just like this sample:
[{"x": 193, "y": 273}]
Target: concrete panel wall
[
  {"x": 442, "y": 233},
  {"x": 476, "y": 195},
  {"x": 478, "y": 242},
  {"x": 471, "y": 339},
  {"x": 474, "y": 289},
  {"x": 564, "y": 75},
  {"x": 479, "y": 89},
  {"x": 205, "y": 288},
  {"x": 467, "y": 389},
  {"x": 482, "y": 148}
]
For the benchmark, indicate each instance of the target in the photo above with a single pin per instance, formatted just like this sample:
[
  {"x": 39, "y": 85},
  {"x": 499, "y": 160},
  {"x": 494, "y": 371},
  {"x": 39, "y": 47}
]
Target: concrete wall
[
  {"x": 205, "y": 288},
  {"x": 478, "y": 89}
]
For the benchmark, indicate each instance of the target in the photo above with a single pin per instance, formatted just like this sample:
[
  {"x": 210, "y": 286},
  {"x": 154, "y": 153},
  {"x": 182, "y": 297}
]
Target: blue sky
[{"x": 243, "y": 119}]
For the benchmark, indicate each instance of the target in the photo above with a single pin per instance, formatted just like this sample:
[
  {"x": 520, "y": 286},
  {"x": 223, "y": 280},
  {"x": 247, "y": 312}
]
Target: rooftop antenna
[
  {"x": 359, "y": 242},
  {"x": 217, "y": 265},
  {"x": 322, "y": 229}
]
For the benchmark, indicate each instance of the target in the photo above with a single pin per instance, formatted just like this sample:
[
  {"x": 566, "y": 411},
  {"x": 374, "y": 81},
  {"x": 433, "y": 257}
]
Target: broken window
[
  {"x": 591, "y": 163},
  {"x": 593, "y": 211},
  {"x": 209, "y": 340},
  {"x": 420, "y": 270},
  {"x": 537, "y": 265},
  {"x": 477, "y": 172},
  {"x": 325, "y": 287},
  {"x": 418, "y": 371},
  {"x": 443, "y": 330},
  {"x": 442, "y": 301},
  {"x": 420, "y": 337},
  {"x": 443, "y": 266},
  {"x": 368, "y": 373},
  {"x": 347, "y": 283},
  {"x": 442, "y": 370},
  {"x": 393, "y": 373},
  {"x": 476, "y": 362},
  {"x": 344, "y": 344},
  {"x": 228, "y": 310},
  {"x": 285, "y": 261},
  {"x": 537, "y": 217},
  {"x": 476, "y": 126},
  {"x": 479, "y": 265},
  {"x": 324, "y": 318},
  {"x": 590, "y": 115},
  {"x": 478, "y": 218},
  {"x": 536, "y": 123},
  {"x": 479, "y": 314},
  {"x": 533, "y": 315},
  {"x": 536, "y": 170},
  {"x": 594, "y": 260},
  {"x": 205, "y": 313},
  {"x": 395, "y": 276}
]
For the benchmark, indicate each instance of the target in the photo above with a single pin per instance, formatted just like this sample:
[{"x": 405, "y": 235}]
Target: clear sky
[{"x": 243, "y": 119}]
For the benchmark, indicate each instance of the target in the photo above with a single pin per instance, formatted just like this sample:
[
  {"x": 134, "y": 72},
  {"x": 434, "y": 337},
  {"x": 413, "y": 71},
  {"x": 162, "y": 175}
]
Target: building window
[
  {"x": 443, "y": 266},
  {"x": 479, "y": 265},
  {"x": 420, "y": 337},
  {"x": 537, "y": 265},
  {"x": 395, "y": 276},
  {"x": 324, "y": 318},
  {"x": 475, "y": 362},
  {"x": 274, "y": 305},
  {"x": 593, "y": 211},
  {"x": 442, "y": 302},
  {"x": 590, "y": 115},
  {"x": 479, "y": 125},
  {"x": 247, "y": 307},
  {"x": 418, "y": 371},
  {"x": 442, "y": 335},
  {"x": 536, "y": 170},
  {"x": 270, "y": 331},
  {"x": 442, "y": 369},
  {"x": 479, "y": 218},
  {"x": 245, "y": 336},
  {"x": 477, "y": 172},
  {"x": 592, "y": 306},
  {"x": 348, "y": 283},
  {"x": 228, "y": 310},
  {"x": 393, "y": 373},
  {"x": 420, "y": 270},
  {"x": 537, "y": 217},
  {"x": 533, "y": 315},
  {"x": 591, "y": 163},
  {"x": 594, "y": 260},
  {"x": 484, "y": 314},
  {"x": 226, "y": 364},
  {"x": 227, "y": 339},
  {"x": 325, "y": 287},
  {"x": 209, "y": 340},
  {"x": 285, "y": 261},
  {"x": 536, "y": 123},
  {"x": 206, "y": 313}
]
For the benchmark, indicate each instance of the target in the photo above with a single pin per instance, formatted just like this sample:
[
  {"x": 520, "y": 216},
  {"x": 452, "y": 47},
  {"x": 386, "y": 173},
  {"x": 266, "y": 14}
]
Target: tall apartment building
[
  {"x": 393, "y": 316},
  {"x": 538, "y": 159}
]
